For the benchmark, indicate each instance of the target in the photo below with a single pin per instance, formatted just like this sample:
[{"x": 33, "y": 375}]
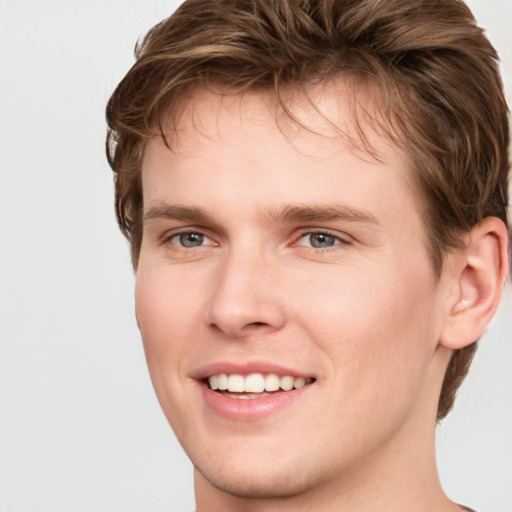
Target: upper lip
[{"x": 246, "y": 368}]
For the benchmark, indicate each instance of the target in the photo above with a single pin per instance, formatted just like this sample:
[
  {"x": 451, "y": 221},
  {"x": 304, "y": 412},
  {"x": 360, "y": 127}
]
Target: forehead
[
  {"x": 308, "y": 117},
  {"x": 319, "y": 147}
]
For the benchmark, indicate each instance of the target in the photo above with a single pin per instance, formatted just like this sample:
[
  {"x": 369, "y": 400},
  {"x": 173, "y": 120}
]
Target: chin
[{"x": 257, "y": 483}]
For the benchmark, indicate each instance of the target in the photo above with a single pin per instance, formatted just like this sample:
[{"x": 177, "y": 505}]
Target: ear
[{"x": 479, "y": 275}]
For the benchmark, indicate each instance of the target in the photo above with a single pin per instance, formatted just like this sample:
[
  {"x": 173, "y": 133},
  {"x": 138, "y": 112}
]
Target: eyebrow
[
  {"x": 176, "y": 212},
  {"x": 290, "y": 213},
  {"x": 323, "y": 213}
]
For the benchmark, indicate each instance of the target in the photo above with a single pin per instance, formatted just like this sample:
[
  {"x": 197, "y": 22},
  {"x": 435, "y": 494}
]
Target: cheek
[
  {"x": 167, "y": 313},
  {"x": 165, "y": 316},
  {"x": 166, "y": 305},
  {"x": 372, "y": 325}
]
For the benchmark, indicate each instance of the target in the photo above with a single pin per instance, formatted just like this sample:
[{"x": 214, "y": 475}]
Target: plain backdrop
[{"x": 80, "y": 427}]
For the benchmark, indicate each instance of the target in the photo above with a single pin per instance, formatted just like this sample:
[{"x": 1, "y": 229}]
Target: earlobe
[{"x": 480, "y": 281}]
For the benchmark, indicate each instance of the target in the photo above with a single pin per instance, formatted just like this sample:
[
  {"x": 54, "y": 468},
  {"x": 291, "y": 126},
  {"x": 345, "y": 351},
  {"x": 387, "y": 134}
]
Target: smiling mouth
[{"x": 255, "y": 385}]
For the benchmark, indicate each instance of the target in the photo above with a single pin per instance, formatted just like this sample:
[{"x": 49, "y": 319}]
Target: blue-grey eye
[
  {"x": 319, "y": 240},
  {"x": 322, "y": 240},
  {"x": 190, "y": 239}
]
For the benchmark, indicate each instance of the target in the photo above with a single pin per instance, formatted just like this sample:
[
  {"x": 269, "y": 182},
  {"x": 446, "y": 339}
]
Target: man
[{"x": 315, "y": 194}]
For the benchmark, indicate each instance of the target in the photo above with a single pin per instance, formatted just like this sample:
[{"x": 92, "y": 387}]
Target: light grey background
[{"x": 80, "y": 428}]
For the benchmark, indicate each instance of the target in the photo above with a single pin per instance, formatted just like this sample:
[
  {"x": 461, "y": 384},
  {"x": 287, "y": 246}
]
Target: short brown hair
[{"x": 433, "y": 68}]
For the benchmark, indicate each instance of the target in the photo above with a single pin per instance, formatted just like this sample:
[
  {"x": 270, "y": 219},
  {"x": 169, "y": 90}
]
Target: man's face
[{"x": 278, "y": 252}]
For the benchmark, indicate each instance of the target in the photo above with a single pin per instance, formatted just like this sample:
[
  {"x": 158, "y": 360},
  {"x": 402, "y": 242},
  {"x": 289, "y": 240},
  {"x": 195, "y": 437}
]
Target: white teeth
[
  {"x": 222, "y": 381},
  {"x": 287, "y": 383},
  {"x": 256, "y": 382},
  {"x": 300, "y": 382},
  {"x": 272, "y": 382},
  {"x": 236, "y": 383}
]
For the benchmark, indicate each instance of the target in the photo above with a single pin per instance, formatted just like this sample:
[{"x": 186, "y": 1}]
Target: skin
[{"x": 362, "y": 314}]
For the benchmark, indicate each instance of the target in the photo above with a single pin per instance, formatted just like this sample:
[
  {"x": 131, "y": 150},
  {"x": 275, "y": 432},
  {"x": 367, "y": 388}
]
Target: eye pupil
[
  {"x": 191, "y": 239},
  {"x": 320, "y": 240}
]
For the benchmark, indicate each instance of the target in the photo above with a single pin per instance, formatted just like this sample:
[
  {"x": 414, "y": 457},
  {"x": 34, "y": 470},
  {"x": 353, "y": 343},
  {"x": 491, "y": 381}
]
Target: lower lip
[{"x": 252, "y": 408}]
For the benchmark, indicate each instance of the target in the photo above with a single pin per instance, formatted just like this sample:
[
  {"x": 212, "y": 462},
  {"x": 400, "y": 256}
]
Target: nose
[{"x": 245, "y": 298}]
